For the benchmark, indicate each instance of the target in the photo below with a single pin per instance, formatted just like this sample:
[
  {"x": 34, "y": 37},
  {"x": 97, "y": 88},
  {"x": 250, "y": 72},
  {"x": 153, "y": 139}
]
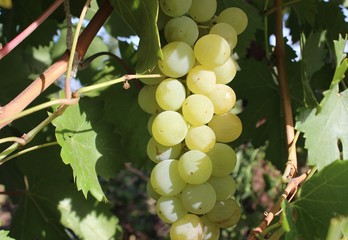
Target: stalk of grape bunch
[{"x": 190, "y": 119}]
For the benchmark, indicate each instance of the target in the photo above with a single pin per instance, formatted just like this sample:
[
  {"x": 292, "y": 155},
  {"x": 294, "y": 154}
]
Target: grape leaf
[
  {"x": 326, "y": 129},
  {"x": 88, "y": 145},
  {"x": 322, "y": 198},
  {"x": 306, "y": 11},
  {"x": 141, "y": 16},
  {"x": 4, "y": 235}
]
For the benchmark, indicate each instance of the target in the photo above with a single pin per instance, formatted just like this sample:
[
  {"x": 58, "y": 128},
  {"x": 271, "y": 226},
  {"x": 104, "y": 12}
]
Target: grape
[
  {"x": 212, "y": 50},
  {"x": 157, "y": 152},
  {"x": 178, "y": 58},
  {"x": 226, "y": 72},
  {"x": 233, "y": 220},
  {"x": 197, "y": 109},
  {"x": 151, "y": 192},
  {"x": 202, "y": 10},
  {"x": 162, "y": 19},
  {"x": 224, "y": 187},
  {"x": 226, "y": 31},
  {"x": 153, "y": 81},
  {"x": 211, "y": 231},
  {"x": 234, "y": 16},
  {"x": 170, "y": 94},
  {"x": 223, "y": 159},
  {"x": 150, "y": 122},
  {"x": 170, "y": 208},
  {"x": 195, "y": 167},
  {"x": 189, "y": 227},
  {"x": 147, "y": 99},
  {"x": 201, "y": 79},
  {"x": 222, "y": 97},
  {"x": 198, "y": 198},
  {"x": 227, "y": 127},
  {"x": 200, "y": 138},
  {"x": 175, "y": 8},
  {"x": 182, "y": 29},
  {"x": 169, "y": 128},
  {"x": 165, "y": 178},
  {"x": 223, "y": 211}
]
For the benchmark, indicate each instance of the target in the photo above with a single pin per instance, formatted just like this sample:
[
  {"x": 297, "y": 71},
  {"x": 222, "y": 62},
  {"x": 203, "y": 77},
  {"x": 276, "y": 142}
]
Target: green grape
[
  {"x": 202, "y": 10},
  {"x": 212, "y": 50},
  {"x": 201, "y": 79},
  {"x": 200, "y": 138},
  {"x": 233, "y": 220},
  {"x": 157, "y": 152},
  {"x": 198, "y": 198},
  {"x": 226, "y": 31},
  {"x": 223, "y": 211},
  {"x": 181, "y": 29},
  {"x": 197, "y": 109},
  {"x": 162, "y": 19},
  {"x": 222, "y": 97},
  {"x": 153, "y": 81},
  {"x": 189, "y": 227},
  {"x": 227, "y": 127},
  {"x": 195, "y": 167},
  {"x": 170, "y": 94},
  {"x": 211, "y": 231},
  {"x": 150, "y": 122},
  {"x": 175, "y": 8},
  {"x": 147, "y": 99},
  {"x": 151, "y": 192},
  {"x": 169, "y": 128},
  {"x": 165, "y": 178},
  {"x": 170, "y": 208},
  {"x": 178, "y": 58},
  {"x": 234, "y": 16},
  {"x": 225, "y": 73},
  {"x": 223, "y": 159},
  {"x": 224, "y": 187}
]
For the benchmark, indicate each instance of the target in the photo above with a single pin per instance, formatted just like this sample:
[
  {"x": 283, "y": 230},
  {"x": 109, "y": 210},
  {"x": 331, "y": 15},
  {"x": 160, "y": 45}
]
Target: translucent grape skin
[
  {"x": 223, "y": 98},
  {"x": 198, "y": 198},
  {"x": 211, "y": 231},
  {"x": 147, "y": 99},
  {"x": 165, "y": 178},
  {"x": 223, "y": 211},
  {"x": 175, "y": 8},
  {"x": 189, "y": 227},
  {"x": 157, "y": 152},
  {"x": 151, "y": 192},
  {"x": 225, "y": 73},
  {"x": 200, "y": 138},
  {"x": 178, "y": 58},
  {"x": 226, "y": 31},
  {"x": 170, "y": 208},
  {"x": 195, "y": 167},
  {"x": 224, "y": 187},
  {"x": 201, "y": 79},
  {"x": 170, "y": 94},
  {"x": 182, "y": 29},
  {"x": 169, "y": 128},
  {"x": 202, "y": 10},
  {"x": 227, "y": 127},
  {"x": 234, "y": 16},
  {"x": 223, "y": 159},
  {"x": 197, "y": 109}
]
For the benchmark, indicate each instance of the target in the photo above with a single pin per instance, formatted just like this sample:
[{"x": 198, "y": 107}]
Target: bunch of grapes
[{"x": 191, "y": 120}]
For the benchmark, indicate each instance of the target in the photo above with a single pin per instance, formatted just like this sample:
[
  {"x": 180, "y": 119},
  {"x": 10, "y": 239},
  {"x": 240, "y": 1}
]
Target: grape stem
[{"x": 31, "y": 28}]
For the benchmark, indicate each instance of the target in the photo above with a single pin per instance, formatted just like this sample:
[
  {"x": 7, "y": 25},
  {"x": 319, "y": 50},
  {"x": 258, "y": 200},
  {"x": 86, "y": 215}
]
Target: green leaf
[
  {"x": 327, "y": 129},
  {"x": 88, "y": 145},
  {"x": 4, "y": 235},
  {"x": 141, "y": 16},
  {"x": 322, "y": 198},
  {"x": 340, "y": 45},
  {"x": 306, "y": 11},
  {"x": 287, "y": 221}
]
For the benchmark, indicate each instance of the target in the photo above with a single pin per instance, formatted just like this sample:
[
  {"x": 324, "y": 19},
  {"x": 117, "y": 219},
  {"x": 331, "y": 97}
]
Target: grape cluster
[{"x": 191, "y": 120}]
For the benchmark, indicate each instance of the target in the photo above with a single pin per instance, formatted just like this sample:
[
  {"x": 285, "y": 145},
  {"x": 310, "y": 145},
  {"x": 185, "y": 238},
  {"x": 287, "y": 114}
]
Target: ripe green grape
[
  {"x": 182, "y": 29},
  {"x": 170, "y": 208},
  {"x": 211, "y": 231},
  {"x": 225, "y": 73},
  {"x": 202, "y": 10},
  {"x": 201, "y": 79},
  {"x": 212, "y": 50},
  {"x": 147, "y": 99},
  {"x": 197, "y": 109},
  {"x": 195, "y": 167},
  {"x": 222, "y": 97},
  {"x": 178, "y": 58},
  {"x": 226, "y": 31},
  {"x": 189, "y": 227},
  {"x": 150, "y": 122},
  {"x": 169, "y": 128},
  {"x": 223, "y": 159},
  {"x": 157, "y": 152},
  {"x": 175, "y": 8},
  {"x": 200, "y": 138},
  {"x": 198, "y": 198},
  {"x": 224, "y": 211},
  {"x": 165, "y": 178},
  {"x": 153, "y": 81},
  {"x": 151, "y": 192},
  {"x": 170, "y": 94},
  {"x": 234, "y": 16},
  {"x": 233, "y": 220},
  {"x": 224, "y": 187},
  {"x": 227, "y": 127}
]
